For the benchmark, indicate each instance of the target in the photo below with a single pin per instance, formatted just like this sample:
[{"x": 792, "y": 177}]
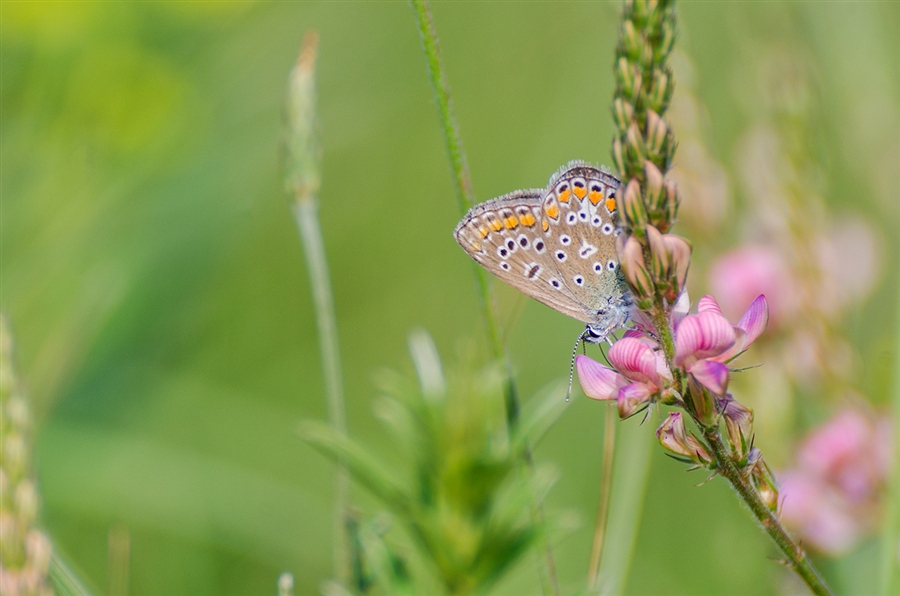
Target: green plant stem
[
  {"x": 465, "y": 197},
  {"x": 465, "y": 200},
  {"x": 305, "y": 214},
  {"x": 303, "y": 177},
  {"x": 795, "y": 556}
]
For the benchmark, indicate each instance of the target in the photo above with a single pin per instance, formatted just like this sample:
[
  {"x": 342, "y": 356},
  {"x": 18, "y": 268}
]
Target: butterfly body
[{"x": 556, "y": 245}]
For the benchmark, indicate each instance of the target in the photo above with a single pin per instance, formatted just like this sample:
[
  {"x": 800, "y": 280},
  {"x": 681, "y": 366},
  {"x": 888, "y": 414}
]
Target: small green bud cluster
[{"x": 654, "y": 263}]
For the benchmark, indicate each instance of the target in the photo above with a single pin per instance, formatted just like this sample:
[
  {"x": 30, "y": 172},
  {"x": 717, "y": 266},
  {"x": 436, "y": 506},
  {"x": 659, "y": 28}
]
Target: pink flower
[
  {"x": 706, "y": 341},
  {"x": 818, "y": 513},
  {"x": 832, "y": 495},
  {"x": 848, "y": 451},
  {"x": 640, "y": 373},
  {"x": 750, "y": 270}
]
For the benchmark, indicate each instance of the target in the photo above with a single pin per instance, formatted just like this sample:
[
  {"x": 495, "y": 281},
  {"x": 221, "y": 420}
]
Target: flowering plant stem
[
  {"x": 655, "y": 263},
  {"x": 724, "y": 465},
  {"x": 465, "y": 200}
]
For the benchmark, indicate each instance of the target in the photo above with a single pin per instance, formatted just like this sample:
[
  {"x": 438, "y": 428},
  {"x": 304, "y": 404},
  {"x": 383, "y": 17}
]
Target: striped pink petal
[
  {"x": 635, "y": 360},
  {"x": 712, "y": 375},
  {"x": 708, "y": 304},
  {"x": 751, "y": 325},
  {"x": 755, "y": 319},
  {"x": 703, "y": 335},
  {"x": 598, "y": 381}
]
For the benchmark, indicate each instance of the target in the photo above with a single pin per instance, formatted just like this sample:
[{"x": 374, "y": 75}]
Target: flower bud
[
  {"x": 665, "y": 42},
  {"x": 10, "y": 538},
  {"x": 39, "y": 550},
  {"x": 675, "y": 439},
  {"x": 701, "y": 402},
  {"x": 660, "y": 92},
  {"x": 623, "y": 114},
  {"x": 659, "y": 256},
  {"x": 632, "y": 43},
  {"x": 645, "y": 60},
  {"x": 629, "y": 81},
  {"x": 14, "y": 455},
  {"x": 25, "y": 500},
  {"x": 679, "y": 251},
  {"x": 633, "y": 211},
  {"x": 618, "y": 156},
  {"x": 655, "y": 187},
  {"x": 738, "y": 425},
  {"x": 763, "y": 479},
  {"x": 658, "y": 137},
  {"x": 631, "y": 260},
  {"x": 672, "y": 201},
  {"x": 635, "y": 148},
  {"x": 640, "y": 10}
]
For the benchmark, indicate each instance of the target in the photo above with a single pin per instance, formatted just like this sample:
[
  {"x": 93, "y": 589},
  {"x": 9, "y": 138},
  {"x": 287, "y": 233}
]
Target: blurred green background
[{"x": 157, "y": 291}]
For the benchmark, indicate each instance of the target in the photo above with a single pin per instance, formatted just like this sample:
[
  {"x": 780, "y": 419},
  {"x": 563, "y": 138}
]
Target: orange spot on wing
[
  {"x": 595, "y": 197},
  {"x": 552, "y": 210},
  {"x": 495, "y": 225},
  {"x": 611, "y": 204},
  {"x": 527, "y": 219},
  {"x": 511, "y": 222},
  {"x": 579, "y": 191},
  {"x": 483, "y": 231},
  {"x": 545, "y": 224},
  {"x": 564, "y": 195}
]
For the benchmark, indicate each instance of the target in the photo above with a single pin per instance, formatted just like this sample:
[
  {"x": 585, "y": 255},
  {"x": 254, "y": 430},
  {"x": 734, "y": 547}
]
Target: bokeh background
[{"x": 155, "y": 283}]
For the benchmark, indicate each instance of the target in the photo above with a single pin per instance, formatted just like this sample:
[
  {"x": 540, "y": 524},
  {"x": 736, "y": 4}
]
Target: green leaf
[{"x": 364, "y": 468}]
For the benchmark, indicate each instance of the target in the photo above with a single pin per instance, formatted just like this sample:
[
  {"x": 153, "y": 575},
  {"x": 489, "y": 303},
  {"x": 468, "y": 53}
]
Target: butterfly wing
[
  {"x": 578, "y": 209},
  {"x": 507, "y": 237}
]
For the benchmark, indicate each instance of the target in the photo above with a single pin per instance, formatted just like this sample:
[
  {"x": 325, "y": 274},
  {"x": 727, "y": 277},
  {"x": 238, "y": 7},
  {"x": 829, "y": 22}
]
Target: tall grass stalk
[
  {"x": 465, "y": 200},
  {"x": 303, "y": 181},
  {"x": 609, "y": 443},
  {"x": 630, "y": 476}
]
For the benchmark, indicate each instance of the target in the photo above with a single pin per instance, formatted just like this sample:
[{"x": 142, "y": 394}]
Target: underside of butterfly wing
[{"x": 504, "y": 235}]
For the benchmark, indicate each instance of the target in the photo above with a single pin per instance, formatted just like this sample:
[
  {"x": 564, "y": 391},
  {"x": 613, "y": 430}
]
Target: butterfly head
[{"x": 609, "y": 317}]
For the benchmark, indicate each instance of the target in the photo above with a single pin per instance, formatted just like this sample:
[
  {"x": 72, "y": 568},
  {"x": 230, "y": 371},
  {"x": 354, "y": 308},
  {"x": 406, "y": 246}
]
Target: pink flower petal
[
  {"x": 598, "y": 381},
  {"x": 634, "y": 359},
  {"x": 748, "y": 329},
  {"x": 712, "y": 375},
  {"x": 708, "y": 304},
  {"x": 639, "y": 392},
  {"x": 741, "y": 275},
  {"x": 755, "y": 319},
  {"x": 701, "y": 336},
  {"x": 631, "y": 397},
  {"x": 680, "y": 309}
]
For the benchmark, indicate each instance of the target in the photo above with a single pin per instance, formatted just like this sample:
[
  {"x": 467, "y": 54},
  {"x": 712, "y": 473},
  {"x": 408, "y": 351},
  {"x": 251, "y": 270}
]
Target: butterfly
[{"x": 557, "y": 245}]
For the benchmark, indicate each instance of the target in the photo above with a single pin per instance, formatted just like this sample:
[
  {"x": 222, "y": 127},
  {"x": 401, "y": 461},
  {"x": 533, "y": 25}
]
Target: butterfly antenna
[{"x": 578, "y": 342}]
